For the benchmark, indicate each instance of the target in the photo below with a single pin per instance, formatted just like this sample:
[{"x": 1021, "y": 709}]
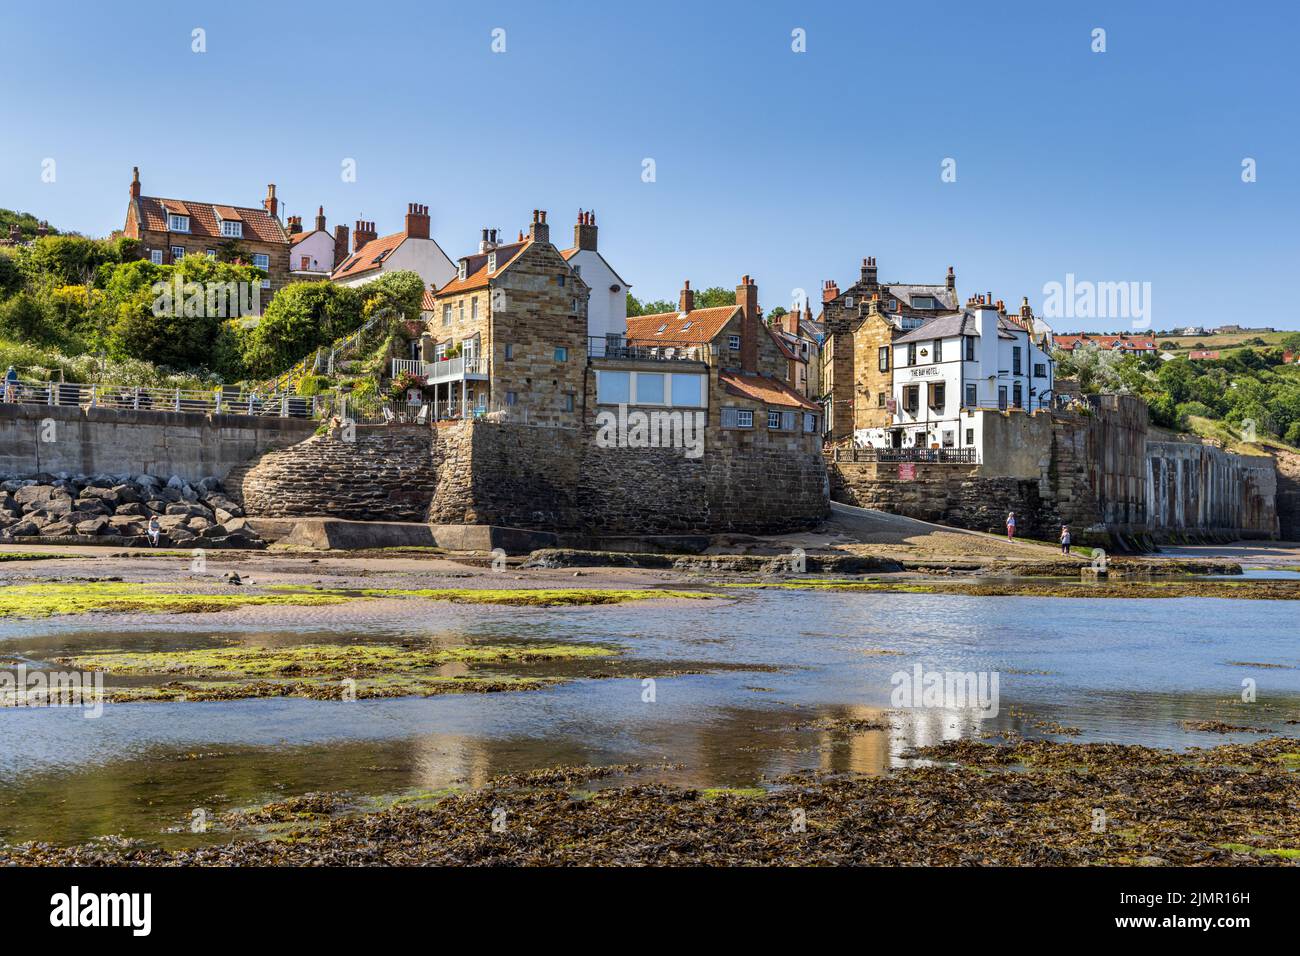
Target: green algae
[
  {"x": 516, "y": 597},
  {"x": 321, "y": 660},
  {"x": 82, "y": 597},
  {"x": 32, "y": 555},
  {"x": 1285, "y": 853},
  {"x": 747, "y": 793},
  {"x": 319, "y": 688}
]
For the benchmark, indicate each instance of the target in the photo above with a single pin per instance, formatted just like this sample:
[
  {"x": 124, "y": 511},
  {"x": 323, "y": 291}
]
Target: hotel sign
[{"x": 927, "y": 371}]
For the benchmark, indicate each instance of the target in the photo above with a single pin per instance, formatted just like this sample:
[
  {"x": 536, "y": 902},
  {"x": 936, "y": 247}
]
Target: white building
[
  {"x": 311, "y": 254},
  {"x": 953, "y": 369},
  {"x": 607, "y": 307},
  {"x": 411, "y": 249}
]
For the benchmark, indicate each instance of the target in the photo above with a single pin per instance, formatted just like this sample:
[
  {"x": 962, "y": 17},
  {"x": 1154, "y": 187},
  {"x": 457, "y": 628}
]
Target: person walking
[
  {"x": 155, "y": 529},
  {"x": 1065, "y": 539},
  {"x": 1011, "y": 525},
  {"x": 11, "y": 384}
]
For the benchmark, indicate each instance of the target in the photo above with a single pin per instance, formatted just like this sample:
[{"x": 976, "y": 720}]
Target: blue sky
[{"x": 1115, "y": 166}]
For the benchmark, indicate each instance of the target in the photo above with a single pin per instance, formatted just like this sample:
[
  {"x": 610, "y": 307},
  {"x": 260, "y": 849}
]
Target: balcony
[
  {"x": 454, "y": 369},
  {"x": 620, "y": 349},
  {"x": 936, "y": 456}
]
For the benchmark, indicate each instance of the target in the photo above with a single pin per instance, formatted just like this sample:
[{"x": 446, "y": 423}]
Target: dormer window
[
  {"x": 492, "y": 262},
  {"x": 922, "y": 302},
  {"x": 178, "y": 223},
  {"x": 232, "y": 229},
  {"x": 462, "y": 270},
  {"x": 661, "y": 329}
]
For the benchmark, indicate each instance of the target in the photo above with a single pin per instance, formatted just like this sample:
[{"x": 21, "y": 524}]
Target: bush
[
  {"x": 11, "y": 276},
  {"x": 1292, "y": 436},
  {"x": 301, "y": 317},
  {"x": 26, "y": 318}
]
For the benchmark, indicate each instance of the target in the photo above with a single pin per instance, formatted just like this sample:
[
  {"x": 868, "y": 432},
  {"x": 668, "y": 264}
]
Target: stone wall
[
  {"x": 36, "y": 439},
  {"x": 1197, "y": 489},
  {"x": 536, "y": 477}
]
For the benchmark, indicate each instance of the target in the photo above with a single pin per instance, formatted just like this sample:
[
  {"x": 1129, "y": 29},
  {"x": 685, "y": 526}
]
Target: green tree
[
  {"x": 305, "y": 316},
  {"x": 11, "y": 276}
]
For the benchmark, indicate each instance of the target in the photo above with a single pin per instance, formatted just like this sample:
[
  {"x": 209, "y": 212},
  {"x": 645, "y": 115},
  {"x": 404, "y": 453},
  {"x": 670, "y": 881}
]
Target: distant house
[
  {"x": 1203, "y": 355},
  {"x": 170, "y": 229},
  {"x": 1140, "y": 345},
  {"x": 313, "y": 254},
  {"x": 412, "y": 249}
]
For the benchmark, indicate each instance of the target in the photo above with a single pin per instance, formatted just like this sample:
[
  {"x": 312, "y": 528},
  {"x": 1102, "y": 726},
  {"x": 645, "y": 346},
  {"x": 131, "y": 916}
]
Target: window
[
  {"x": 650, "y": 388},
  {"x": 1002, "y": 397},
  {"x": 473, "y": 308},
  {"x": 262, "y": 261},
  {"x": 848, "y": 302},
  {"x": 460, "y": 310},
  {"x": 559, "y": 280},
  {"x": 922, "y": 302},
  {"x": 178, "y": 223},
  {"x": 510, "y": 351},
  {"x": 492, "y": 262},
  {"x": 809, "y": 422},
  {"x": 774, "y": 420},
  {"x": 573, "y": 307},
  {"x": 1015, "y": 360},
  {"x": 568, "y": 401},
  {"x": 733, "y": 342},
  {"x": 512, "y": 397},
  {"x": 949, "y": 439},
  {"x": 972, "y": 396},
  {"x": 911, "y": 353},
  {"x": 880, "y": 399},
  {"x": 883, "y": 358},
  {"x": 178, "y": 253},
  {"x": 938, "y": 351},
  {"x": 1017, "y": 397},
  {"x": 911, "y": 398},
  {"x": 462, "y": 270},
  {"x": 446, "y": 314},
  {"x": 687, "y": 390},
  {"x": 1040, "y": 370},
  {"x": 970, "y": 347},
  {"x": 613, "y": 388},
  {"x": 232, "y": 230},
  {"x": 561, "y": 353},
  {"x": 737, "y": 418},
  {"x": 211, "y": 253},
  {"x": 304, "y": 262},
  {"x": 156, "y": 256},
  {"x": 970, "y": 436},
  {"x": 937, "y": 396}
]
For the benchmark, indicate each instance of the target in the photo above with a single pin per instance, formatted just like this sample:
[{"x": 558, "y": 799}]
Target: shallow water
[{"x": 1122, "y": 670}]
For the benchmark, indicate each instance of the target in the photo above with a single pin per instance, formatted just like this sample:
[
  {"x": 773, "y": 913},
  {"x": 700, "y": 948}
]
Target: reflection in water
[{"x": 1117, "y": 670}]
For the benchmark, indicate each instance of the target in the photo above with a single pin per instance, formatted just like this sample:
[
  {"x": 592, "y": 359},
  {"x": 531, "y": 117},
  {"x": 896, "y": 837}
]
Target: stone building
[
  {"x": 169, "y": 229},
  {"x": 508, "y": 333},
  {"x": 851, "y": 377}
]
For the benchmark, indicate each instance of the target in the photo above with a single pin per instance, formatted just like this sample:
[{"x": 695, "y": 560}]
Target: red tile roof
[
  {"x": 698, "y": 325},
  {"x": 205, "y": 219},
  {"x": 476, "y": 270},
  {"x": 368, "y": 257},
  {"x": 1197, "y": 355},
  {"x": 1123, "y": 343},
  {"x": 765, "y": 389},
  {"x": 299, "y": 237}
]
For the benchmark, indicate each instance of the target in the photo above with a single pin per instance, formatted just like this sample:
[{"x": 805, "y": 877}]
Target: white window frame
[
  {"x": 446, "y": 313},
  {"x": 232, "y": 229},
  {"x": 733, "y": 342},
  {"x": 178, "y": 223},
  {"x": 178, "y": 252},
  {"x": 773, "y": 420},
  {"x": 265, "y": 264},
  {"x": 156, "y": 256}
]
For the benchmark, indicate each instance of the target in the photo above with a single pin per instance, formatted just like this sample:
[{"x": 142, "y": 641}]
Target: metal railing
[
  {"x": 442, "y": 370},
  {"x": 618, "y": 348},
  {"x": 144, "y": 398},
  {"x": 937, "y": 456}
]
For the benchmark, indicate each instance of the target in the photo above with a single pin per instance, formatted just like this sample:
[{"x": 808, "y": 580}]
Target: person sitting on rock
[{"x": 155, "y": 530}]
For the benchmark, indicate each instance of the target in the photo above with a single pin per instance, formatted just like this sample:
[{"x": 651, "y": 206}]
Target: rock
[
  {"x": 125, "y": 493},
  {"x": 176, "y": 481},
  {"x": 209, "y": 484},
  {"x": 93, "y": 506},
  {"x": 56, "y": 528},
  {"x": 180, "y": 535},
  {"x": 169, "y": 522},
  {"x": 133, "y": 508},
  {"x": 238, "y": 524},
  {"x": 223, "y": 515},
  {"x": 190, "y": 509},
  {"x": 231, "y": 577},
  {"x": 50, "y": 506},
  {"x": 32, "y": 494},
  {"x": 156, "y": 505},
  {"x": 126, "y": 525},
  {"x": 93, "y": 526},
  {"x": 199, "y": 524},
  {"x": 24, "y": 529}
]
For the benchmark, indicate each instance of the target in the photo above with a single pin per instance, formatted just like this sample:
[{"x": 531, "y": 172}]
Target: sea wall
[
  {"x": 1201, "y": 489},
  {"x": 537, "y": 477},
  {"x": 49, "y": 439}
]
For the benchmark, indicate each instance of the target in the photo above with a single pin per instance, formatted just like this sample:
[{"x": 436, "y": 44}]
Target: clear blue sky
[{"x": 1115, "y": 166}]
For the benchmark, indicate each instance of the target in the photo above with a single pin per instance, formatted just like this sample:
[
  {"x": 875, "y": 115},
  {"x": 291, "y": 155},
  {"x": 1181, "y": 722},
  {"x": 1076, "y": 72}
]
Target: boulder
[
  {"x": 191, "y": 509},
  {"x": 215, "y": 501},
  {"x": 125, "y": 493},
  {"x": 33, "y": 494},
  {"x": 199, "y": 523},
  {"x": 133, "y": 508},
  {"x": 126, "y": 525},
  {"x": 56, "y": 528},
  {"x": 93, "y": 526},
  {"x": 93, "y": 506},
  {"x": 168, "y": 522},
  {"x": 26, "y": 528},
  {"x": 209, "y": 484}
]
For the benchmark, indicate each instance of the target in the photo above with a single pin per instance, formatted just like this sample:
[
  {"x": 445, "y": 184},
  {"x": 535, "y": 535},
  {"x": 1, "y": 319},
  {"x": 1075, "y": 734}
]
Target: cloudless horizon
[{"x": 1122, "y": 166}]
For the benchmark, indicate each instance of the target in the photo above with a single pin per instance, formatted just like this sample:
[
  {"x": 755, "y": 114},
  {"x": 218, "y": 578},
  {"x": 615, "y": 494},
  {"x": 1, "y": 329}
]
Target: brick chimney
[
  {"x": 686, "y": 300},
  {"x": 539, "y": 230},
  {"x": 869, "y": 270},
  {"x": 270, "y": 202},
  {"x": 363, "y": 232},
  {"x": 417, "y": 221},
  {"x": 584, "y": 232},
  {"x": 42, "y": 229},
  {"x": 295, "y": 225},
  {"x": 340, "y": 244},
  {"x": 135, "y": 182},
  {"x": 320, "y": 219},
  {"x": 951, "y": 281},
  {"x": 488, "y": 242},
  {"x": 747, "y": 299},
  {"x": 15, "y": 233},
  {"x": 830, "y": 290}
]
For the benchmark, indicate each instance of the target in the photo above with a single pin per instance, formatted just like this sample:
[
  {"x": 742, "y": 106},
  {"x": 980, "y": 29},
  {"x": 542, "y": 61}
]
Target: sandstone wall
[{"x": 1203, "y": 489}]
